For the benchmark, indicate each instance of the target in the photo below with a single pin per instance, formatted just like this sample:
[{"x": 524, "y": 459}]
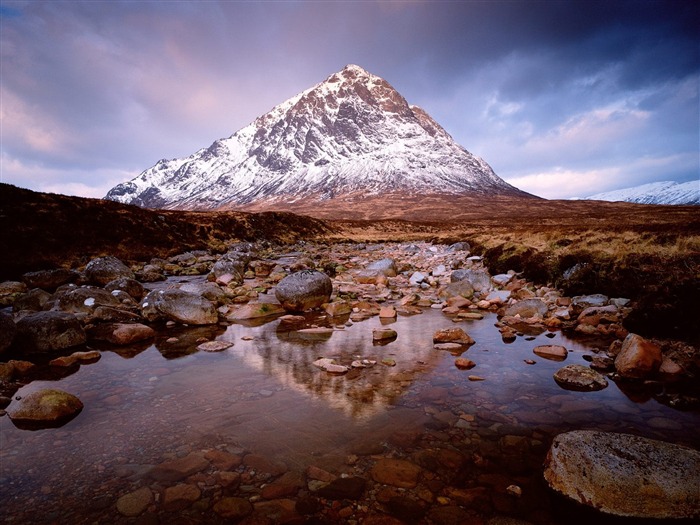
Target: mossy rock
[{"x": 44, "y": 409}]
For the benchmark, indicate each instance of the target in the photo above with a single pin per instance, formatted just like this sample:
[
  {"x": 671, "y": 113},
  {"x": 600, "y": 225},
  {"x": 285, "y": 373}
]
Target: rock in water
[
  {"x": 7, "y": 331},
  {"x": 44, "y": 409},
  {"x": 103, "y": 270},
  {"x": 304, "y": 290},
  {"x": 178, "y": 306},
  {"x": 638, "y": 357},
  {"x": 49, "y": 331},
  {"x": 580, "y": 378},
  {"x": 625, "y": 475}
]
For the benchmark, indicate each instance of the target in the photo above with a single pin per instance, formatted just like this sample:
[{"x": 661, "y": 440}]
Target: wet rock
[
  {"x": 178, "y": 306},
  {"x": 625, "y": 475},
  {"x": 178, "y": 469},
  {"x": 121, "y": 333},
  {"x": 180, "y": 496},
  {"x": 134, "y": 503},
  {"x": 338, "y": 308},
  {"x": 286, "y": 485},
  {"x": 383, "y": 335},
  {"x": 396, "y": 472},
  {"x": 208, "y": 290},
  {"x": 581, "y": 302},
  {"x": 223, "y": 460},
  {"x": 131, "y": 286},
  {"x": 214, "y": 346},
  {"x": 48, "y": 332},
  {"x": 49, "y": 280},
  {"x": 343, "y": 488},
  {"x": 103, "y": 270},
  {"x": 638, "y": 358},
  {"x": 449, "y": 515},
  {"x": 580, "y": 378},
  {"x": 552, "y": 352},
  {"x": 527, "y": 308},
  {"x": 329, "y": 365},
  {"x": 228, "y": 271},
  {"x": 10, "y": 291},
  {"x": 86, "y": 299},
  {"x": 255, "y": 310},
  {"x": 304, "y": 290},
  {"x": 387, "y": 312},
  {"x": 34, "y": 300},
  {"x": 457, "y": 289},
  {"x": 44, "y": 409},
  {"x": 386, "y": 266},
  {"x": 595, "y": 315},
  {"x": 7, "y": 331},
  {"x": 464, "y": 364},
  {"x": 452, "y": 335},
  {"x": 76, "y": 357},
  {"x": 233, "y": 508},
  {"x": 263, "y": 464}
]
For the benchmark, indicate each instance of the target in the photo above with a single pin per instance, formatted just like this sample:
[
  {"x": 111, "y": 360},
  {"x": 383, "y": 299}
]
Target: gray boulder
[
  {"x": 86, "y": 299},
  {"x": 479, "y": 279},
  {"x": 581, "y": 302},
  {"x": 228, "y": 271},
  {"x": 459, "y": 247},
  {"x": 304, "y": 290},
  {"x": 527, "y": 308},
  {"x": 48, "y": 332},
  {"x": 7, "y": 331},
  {"x": 131, "y": 286},
  {"x": 208, "y": 290},
  {"x": 386, "y": 266},
  {"x": 177, "y": 305},
  {"x": 459, "y": 288},
  {"x": 625, "y": 475},
  {"x": 103, "y": 270}
]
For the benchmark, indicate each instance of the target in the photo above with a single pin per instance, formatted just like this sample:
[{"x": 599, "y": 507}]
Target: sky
[{"x": 563, "y": 99}]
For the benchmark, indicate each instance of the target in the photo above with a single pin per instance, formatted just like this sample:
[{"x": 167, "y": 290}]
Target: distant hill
[{"x": 655, "y": 193}]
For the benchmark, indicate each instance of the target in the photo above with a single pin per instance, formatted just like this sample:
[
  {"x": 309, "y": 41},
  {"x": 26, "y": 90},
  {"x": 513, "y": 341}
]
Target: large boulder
[
  {"x": 625, "y": 475},
  {"x": 385, "y": 266},
  {"x": 49, "y": 331},
  {"x": 457, "y": 289},
  {"x": 7, "y": 331},
  {"x": 479, "y": 279},
  {"x": 527, "y": 309},
  {"x": 49, "y": 280},
  {"x": 86, "y": 299},
  {"x": 638, "y": 358},
  {"x": 103, "y": 270},
  {"x": 177, "y": 305},
  {"x": 304, "y": 290},
  {"x": 131, "y": 286},
  {"x": 44, "y": 409},
  {"x": 208, "y": 290}
]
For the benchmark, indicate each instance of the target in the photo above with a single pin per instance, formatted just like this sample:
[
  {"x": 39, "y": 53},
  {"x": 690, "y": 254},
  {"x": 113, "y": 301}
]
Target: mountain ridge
[
  {"x": 664, "y": 192},
  {"x": 351, "y": 133}
]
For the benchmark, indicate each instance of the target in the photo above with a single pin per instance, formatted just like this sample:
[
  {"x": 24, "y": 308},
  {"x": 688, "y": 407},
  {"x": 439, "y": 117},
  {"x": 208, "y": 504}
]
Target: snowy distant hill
[
  {"x": 655, "y": 193},
  {"x": 351, "y": 134}
]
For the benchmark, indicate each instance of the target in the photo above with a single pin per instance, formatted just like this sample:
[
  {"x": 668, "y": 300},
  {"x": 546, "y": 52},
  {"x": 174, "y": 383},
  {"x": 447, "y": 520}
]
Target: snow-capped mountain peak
[
  {"x": 353, "y": 133},
  {"x": 665, "y": 192}
]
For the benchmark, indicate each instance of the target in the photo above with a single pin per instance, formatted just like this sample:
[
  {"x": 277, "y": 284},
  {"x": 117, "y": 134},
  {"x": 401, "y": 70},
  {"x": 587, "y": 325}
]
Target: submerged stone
[{"x": 45, "y": 409}]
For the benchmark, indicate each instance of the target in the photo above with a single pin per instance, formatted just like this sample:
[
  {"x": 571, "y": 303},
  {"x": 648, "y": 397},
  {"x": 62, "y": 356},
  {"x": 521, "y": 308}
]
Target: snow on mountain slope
[
  {"x": 352, "y": 133},
  {"x": 666, "y": 192}
]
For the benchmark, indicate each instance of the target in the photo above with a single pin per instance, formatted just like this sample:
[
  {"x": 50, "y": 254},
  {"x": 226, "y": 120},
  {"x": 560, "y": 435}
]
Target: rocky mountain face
[
  {"x": 655, "y": 193},
  {"x": 352, "y": 134}
]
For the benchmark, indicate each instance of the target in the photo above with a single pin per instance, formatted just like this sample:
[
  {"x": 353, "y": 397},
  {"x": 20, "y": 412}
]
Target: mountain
[
  {"x": 655, "y": 193},
  {"x": 352, "y": 135}
]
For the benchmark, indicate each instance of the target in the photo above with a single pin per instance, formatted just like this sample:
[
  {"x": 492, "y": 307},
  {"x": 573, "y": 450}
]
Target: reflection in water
[{"x": 265, "y": 395}]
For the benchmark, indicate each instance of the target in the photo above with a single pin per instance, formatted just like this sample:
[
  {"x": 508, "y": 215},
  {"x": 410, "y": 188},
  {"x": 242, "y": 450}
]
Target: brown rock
[
  {"x": 233, "y": 508},
  {"x": 452, "y": 335},
  {"x": 286, "y": 485},
  {"x": 552, "y": 352},
  {"x": 319, "y": 474},
  {"x": 396, "y": 472},
  {"x": 638, "y": 357},
  {"x": 255, "y": 311},
  {"x": 262, "y": 464},
  {"x": 134, "y": 503},
  {"x": 126, "y": 334},
  {"x": 76, "y": 357},
  {"x": 49, "y": 331},
  {"x": 383, "y": 334},
  {"x": 180, "y": 497},
  {"x": 178, "y": 469},
  {"x": 223, "y": 460},
  {"x": 387, "y": 312},
  {"x": 214, "y": 346},
  {"x": 464, "y": 364},
  {"x": 45, "y": 408},
  {"x": 338, "y": 308},
  {"x": 580, "y": 378}
]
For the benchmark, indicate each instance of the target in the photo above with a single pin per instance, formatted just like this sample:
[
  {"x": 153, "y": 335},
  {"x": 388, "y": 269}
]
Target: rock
[
  {"x": 458, "y": 289},
  {"x": 464, "y": 364},
  {"x": 35, "y": 300},
  {"x": 228, "y": 270},
  {"x": 7, "y": 331},
  {"x": 178, "y": 306},
  {"x": 625, "y": 475},
  {"x": 417, "y": 278},
  {"x": 580, "y": 378},
  {"x": 223, "y": 460},
  {"x": 595, "y": 315},
  {"x": 329, "y": 365},
  {"x": 214, "y": 346},
  {"x": 581, "y": 302},
  {"x": 131, "y": 286},
  {"x": 86, "y": 299},
  {"x": 121, "y": 333},
  {"x": 180, "y": 496},
  {"x": 103, "y": 270},
  {"x": 452, "y": 335},
  {"x": 527, "y": 308},
  {"x": 208, "y": 290},
  {"x": 10, "y": 291},
  {"x": 479, "y": 279},
  {"x": 338, "y": 308},
  {"x": 233, "y": 508},
  {"x": 502, "y": 279},
  {"x": 304, "y": 290},
  {"x": 396, "y": 472},
  {"x": 49, "y": 280},
  {"x": 449, "y": 515},
  {"x": 45, "y": 409},
  {"x": 553, "y": 352},
  {"x": 178, "y": 469},
  {"x": 498, "y": 296},
  {"x": 459, "y": 247},
  {"x": 387, "y": 312},
  {"x": 476, "y": 378},
  {"x": 286, "y": 485},
  {"x": 638, "y": 358},
  {"x": 385, "y": 266},
  {"x": 76, "y": 357},
  {"x": 134, "y": 503},
  {"x": 383, "y": 335},
  {"x": 255, "y": 310},
  {"x": 343, "y": 488},
  {"x": 48, "y": 332}
]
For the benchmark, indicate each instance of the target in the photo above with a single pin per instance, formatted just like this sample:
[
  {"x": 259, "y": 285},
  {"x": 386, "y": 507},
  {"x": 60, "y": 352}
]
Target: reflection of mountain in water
[{"x": 281, "y": 351}]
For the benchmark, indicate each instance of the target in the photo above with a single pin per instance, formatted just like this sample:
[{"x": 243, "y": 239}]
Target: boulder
[
  {"x": 580, "y": 378},
  {"x": 7, "y": 331},
  {"x": 638, "y": 358},
  {"x": 553, "y": 352},
  {"x": 457, "y": 289},
  {"x": 44, "y": 409},
  {"x": 581, "y": 302},
  {"x": 459, "y": 247},
  {"x": 178, "y": 306},
  {"x": 228, "y": 270},
  {"x": 595, "y": 315},
  {"x": 86, "y": 299},
  {"x": 304, "y": 290},
  {"x": 131, "y": 286},
  {"x": 452, "y": 335},
  {"x": 49, "y": 280},
  {"x": 103, "y": 270},
  {"x": 479, "y": 279},
  {"x": 135, "y": 503},
  {"x": 49, "y": 331},
  {"x": 396, "y": 472},
  {"x": 255, "y": 311},
  {"x": 10, "y": 291},
  {"x": 625, "y": 475},
  {"x": 338, "y": 308},
  {"x": 121, "y": 333},
  {"x": 385, "y": 266},
  {"x": 34, "y": 300},
  {"x": 527, "y": 308},
  {"x": 383, "y": 335},
  {"x": 208, "y": 290}
]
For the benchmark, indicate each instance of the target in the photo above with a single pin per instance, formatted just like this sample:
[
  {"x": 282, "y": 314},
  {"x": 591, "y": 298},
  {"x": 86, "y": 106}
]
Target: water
[{"x": 147, "y": 404}]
